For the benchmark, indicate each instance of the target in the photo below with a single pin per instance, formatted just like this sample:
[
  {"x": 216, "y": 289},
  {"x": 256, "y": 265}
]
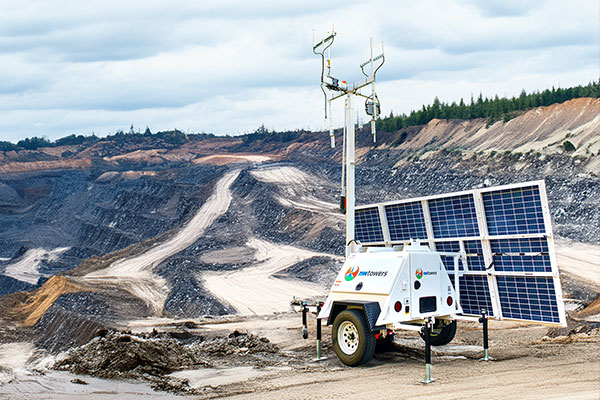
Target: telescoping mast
[{"x": 334, "y": 88}]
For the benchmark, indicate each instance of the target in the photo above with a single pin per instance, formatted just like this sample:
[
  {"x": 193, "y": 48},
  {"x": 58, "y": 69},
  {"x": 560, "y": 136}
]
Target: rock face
[
  {"x": 129, "y": 197},
  {"x": 543, "y": 129},
  {"x": 94, "y": 217}
]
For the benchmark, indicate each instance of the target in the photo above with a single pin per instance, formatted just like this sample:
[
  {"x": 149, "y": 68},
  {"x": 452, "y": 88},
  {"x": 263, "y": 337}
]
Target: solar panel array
[{"x": 510, "y": 268}]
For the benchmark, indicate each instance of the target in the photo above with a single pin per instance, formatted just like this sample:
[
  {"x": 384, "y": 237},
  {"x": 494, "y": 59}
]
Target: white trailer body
[{"x": 410, "y": 284}]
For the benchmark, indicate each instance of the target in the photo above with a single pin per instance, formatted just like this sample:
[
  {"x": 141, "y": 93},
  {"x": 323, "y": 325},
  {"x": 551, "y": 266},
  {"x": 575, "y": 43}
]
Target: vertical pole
[
  {"x": 330, "y": 124},
  {"x": 374, "y": 116},
  {"x": 484, "y": 321},
  {"x": 456, "y": 281},
  {"x": 427, "y": 333},
  {"x": 350, "y": 165},
  {"x": 319, "y": 335},
  {"x": 304, "y": 322},
  {"x": 343, "y": 191}
]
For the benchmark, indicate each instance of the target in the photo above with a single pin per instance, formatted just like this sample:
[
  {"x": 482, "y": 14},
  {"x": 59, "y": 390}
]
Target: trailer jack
[
  {"x": 484, "y": 321},
  {"x": 426, "y": 329},
  {"x": 319, "y": 338}
]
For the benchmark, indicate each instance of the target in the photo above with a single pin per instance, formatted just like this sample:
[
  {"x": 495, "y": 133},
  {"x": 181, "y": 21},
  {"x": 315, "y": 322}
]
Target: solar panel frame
[{"x": 520, "y": 245}]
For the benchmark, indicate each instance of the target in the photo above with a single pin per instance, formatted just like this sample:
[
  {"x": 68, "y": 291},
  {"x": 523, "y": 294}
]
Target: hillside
[{"x": 542, "y": 130}]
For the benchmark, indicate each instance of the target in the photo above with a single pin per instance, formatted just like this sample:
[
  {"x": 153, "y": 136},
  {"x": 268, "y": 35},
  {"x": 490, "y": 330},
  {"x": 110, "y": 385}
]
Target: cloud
[{"x": 229, "y": 66}]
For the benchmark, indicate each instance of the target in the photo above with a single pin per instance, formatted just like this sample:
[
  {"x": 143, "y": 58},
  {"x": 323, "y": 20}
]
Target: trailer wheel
[
  {"x": 353, "y": 342},
  {"x": 441, "y": 333}
]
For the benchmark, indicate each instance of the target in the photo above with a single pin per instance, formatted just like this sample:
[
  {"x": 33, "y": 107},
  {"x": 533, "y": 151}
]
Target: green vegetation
[
  {"x": 34, "y": 143},
  {"x": 8, "y": 146},
  {"x": 263, "y": 134},
  {"x": 493, "y": 109},
  {"x": 75, "y": 139},
  {"x": 174, "y": 136},
  {"x": 568, "y": 146}
]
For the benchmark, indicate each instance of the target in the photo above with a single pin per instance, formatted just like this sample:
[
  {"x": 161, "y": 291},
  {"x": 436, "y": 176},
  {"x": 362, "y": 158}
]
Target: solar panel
[
  {"x": 474, "y": 294},
  {"x": 406, "y": 221},
  {"x": 510, "y": 267},
  {"x": 453, "y": 216},
  {"x": 450, "y": 247},
  {"x": 528, "y": 298},
  {"x": 514, "y": 211},
  {"x": 368, "y": 225}
]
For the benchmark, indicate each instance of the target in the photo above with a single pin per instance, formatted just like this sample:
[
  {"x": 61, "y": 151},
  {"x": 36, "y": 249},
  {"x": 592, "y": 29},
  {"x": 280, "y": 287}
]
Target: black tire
[
  {"x": 442, "y": 333},
  {"x": 357, "y": 341},
  {"x": 384, "y": 344}
]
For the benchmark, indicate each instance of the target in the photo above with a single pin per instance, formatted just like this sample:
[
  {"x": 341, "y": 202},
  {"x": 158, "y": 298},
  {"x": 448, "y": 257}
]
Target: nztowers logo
[
  {"x": 419, "y": 273},
  {"x": 352, "y": 272}
]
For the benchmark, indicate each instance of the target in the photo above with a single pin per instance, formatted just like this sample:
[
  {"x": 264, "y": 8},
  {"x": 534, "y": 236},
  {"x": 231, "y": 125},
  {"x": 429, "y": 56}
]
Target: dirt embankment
[
  {"x": 20, "y": 167},
  {"x": 27, "y": 308},
  {"x": 542, "y": 129}
]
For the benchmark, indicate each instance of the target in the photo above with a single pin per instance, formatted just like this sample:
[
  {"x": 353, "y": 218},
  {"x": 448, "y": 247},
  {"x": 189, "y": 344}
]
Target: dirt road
[
  {"x": 579, "y": 259},
  {"x": 253, "y": 290},
  {"x": 570, "y": 374},
  {"x": 527, "y": 367},
  {"x": 295, "y": 187},
  {"x": 26, "y": 269},
  {"x": 136, "y": 274}
]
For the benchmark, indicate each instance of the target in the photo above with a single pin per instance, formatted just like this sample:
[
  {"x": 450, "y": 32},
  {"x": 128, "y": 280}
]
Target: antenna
[
  {"x": 334, "y": 88},
  {"x": 320, "y": 49}
]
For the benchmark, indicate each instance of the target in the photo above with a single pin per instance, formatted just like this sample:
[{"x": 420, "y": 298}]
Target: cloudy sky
[{"x": 227, "y": 67}]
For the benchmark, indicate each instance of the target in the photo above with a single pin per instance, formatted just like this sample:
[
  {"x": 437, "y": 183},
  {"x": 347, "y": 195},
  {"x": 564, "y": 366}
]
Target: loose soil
[{"x": 266, "y": 358}]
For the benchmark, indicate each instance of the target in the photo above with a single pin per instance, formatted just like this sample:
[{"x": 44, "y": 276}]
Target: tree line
[
  {"x": 492, "y": 109},
  {"x": 174, "y": 136},
  {"x": 267, "y": 136}
]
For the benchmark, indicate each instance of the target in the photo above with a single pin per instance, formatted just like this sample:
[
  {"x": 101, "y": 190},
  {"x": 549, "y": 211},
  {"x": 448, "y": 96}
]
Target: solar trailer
[
  {"x": 430, "y": 261},
  {"x": 470, "y": 255},
  {"x": 422, "y": 264}
]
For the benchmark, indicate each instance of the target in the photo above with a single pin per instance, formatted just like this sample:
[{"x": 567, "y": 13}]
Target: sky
[{"x": 228, "y": 67}]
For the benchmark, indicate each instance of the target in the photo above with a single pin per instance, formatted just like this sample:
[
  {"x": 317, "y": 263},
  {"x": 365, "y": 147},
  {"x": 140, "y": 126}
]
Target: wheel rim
[{"x": 348, "y": 337}]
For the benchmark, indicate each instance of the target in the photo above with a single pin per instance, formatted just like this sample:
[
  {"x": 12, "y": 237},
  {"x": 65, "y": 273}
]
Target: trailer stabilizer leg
[
  {"x": 427, "y": 333},
  {"x": 484, "y": 322},
  {"x": 319, "y": 358},
  {"x": 304, "y": 322}
]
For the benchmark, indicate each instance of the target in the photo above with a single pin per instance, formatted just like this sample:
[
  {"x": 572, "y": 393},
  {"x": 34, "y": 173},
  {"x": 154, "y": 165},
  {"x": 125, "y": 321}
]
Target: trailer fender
[{"x": 371, "y": 309}]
